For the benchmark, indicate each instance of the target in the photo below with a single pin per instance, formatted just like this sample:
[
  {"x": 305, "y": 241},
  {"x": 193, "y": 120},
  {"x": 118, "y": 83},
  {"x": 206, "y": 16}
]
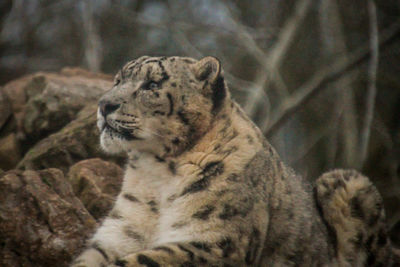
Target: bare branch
[
  {"x": 275, "y": 55},
  {"x": 323, "y": 77},
  {"x": 239, "y": 84},
  {"x": 92, "y": 42},
  {"x": 180, "y": 37},
  {"x": 343, "y": 114},
  {"x": 286, "y": 36},
  {"x": 185, "y": 44},
  {"x": 371, "y": 91}
]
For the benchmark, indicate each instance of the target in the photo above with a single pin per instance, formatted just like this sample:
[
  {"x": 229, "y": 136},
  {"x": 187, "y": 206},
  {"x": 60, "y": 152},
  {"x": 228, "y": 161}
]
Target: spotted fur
[
  {"x": 202, "y": 186},
  {"x": 353, "y": 209}
]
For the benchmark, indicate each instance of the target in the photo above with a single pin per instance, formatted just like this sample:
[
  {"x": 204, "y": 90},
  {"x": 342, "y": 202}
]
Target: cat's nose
[{"x": 107, "y": 108}]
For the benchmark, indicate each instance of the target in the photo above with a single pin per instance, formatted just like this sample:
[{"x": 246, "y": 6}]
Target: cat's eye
[
  {"x": 117, "y": 81},
  {"x": 151, "y": 86}
]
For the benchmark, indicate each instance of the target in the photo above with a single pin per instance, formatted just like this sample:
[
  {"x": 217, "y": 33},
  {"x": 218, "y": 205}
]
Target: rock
[
  {"x": 42, "y": 223},
  {"x": 57, "y": 100},
  {"x": 74, "y": 71},
  {"x": 9, "y": 152},
  {"x": 77, "y": 141},
  {"x": 14, "y": 91},
  {"x": 395, "y": 234},
  {"x": 96, "y": 183},
  {"x": 396, "y": 257},
  {"x": 43, "y": 103},
  {"x": 5, "y": 108}
]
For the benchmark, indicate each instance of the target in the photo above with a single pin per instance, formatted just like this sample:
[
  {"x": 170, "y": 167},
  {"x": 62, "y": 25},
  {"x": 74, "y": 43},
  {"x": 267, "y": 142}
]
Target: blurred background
[{"x": 321, "y": 78}]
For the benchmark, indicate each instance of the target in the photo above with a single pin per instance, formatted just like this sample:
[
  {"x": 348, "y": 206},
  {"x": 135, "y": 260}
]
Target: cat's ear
[{"x": 207, "y": 68}]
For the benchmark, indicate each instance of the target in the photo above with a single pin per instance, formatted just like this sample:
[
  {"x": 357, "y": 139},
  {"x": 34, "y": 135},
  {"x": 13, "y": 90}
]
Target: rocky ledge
[{"x": 56, "y": 184}]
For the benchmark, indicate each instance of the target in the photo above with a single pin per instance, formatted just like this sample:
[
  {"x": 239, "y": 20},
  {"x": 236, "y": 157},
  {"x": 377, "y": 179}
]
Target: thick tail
[{"x": 352, "y": 208}]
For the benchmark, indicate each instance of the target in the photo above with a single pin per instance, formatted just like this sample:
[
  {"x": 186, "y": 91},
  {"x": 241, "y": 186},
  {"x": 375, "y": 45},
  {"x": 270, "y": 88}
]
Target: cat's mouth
[{"x": 118, "y": 131}]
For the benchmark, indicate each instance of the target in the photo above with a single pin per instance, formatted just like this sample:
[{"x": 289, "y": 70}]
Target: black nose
[{"x": 107, "y": 107}]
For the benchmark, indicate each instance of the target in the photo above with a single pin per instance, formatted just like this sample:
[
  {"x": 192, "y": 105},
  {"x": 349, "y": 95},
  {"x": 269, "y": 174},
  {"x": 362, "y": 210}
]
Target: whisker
[
  {"x": 126, "y": 125},
  {"x": 122, "y": 121},
  {"x": 129, "y": 115},
  {"x": 152, "y": 132}
]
